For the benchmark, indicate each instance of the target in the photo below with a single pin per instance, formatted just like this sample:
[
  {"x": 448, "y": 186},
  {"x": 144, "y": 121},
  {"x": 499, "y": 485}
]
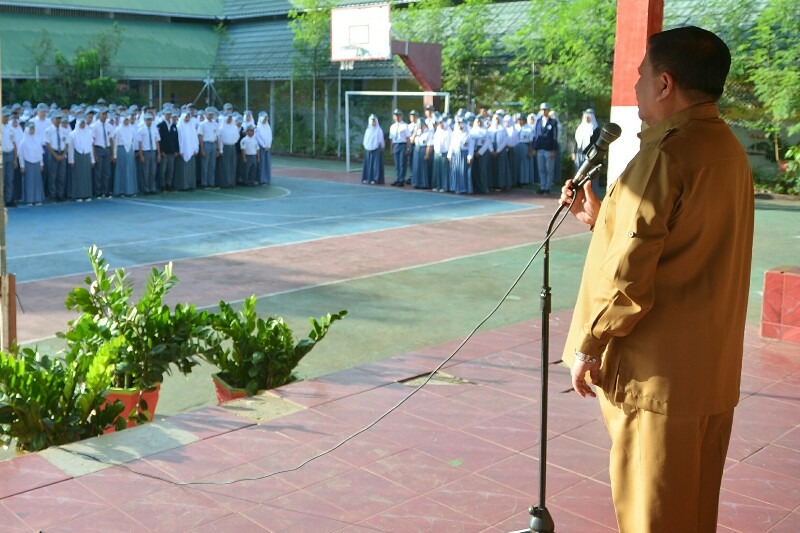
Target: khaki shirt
[{"x": 664, "y": 291}]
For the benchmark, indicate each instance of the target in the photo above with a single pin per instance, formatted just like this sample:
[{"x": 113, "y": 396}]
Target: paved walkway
[{"x": 460, "y": 456}]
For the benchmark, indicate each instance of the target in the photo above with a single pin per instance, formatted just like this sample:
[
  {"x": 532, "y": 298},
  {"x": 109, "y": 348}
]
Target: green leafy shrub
[
  {"x": 155, "y": 337},
  {"x": 260, "y": 353},
  {"x": 47, "y": 401}
]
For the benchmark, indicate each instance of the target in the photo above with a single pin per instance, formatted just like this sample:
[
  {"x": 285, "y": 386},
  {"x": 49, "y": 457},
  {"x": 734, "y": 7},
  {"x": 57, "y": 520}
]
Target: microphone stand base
[{"x": 541, "y": 522}]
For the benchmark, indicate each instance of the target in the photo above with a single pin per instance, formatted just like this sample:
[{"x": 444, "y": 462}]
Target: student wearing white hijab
[
  {"x": 189, "y": 145},
  {"x": 124, "y": 155},
  {"x": 31, "y": 164},
  {"x": 81, "y": 161},
  {"x": 481, "y": 156},
  {"x": 460, "y": 155},
  {"x": 586, "y": 135},
  {"x": 264, "y": 138},
  {"x": 373, "y": 143},
  {"x": 248, "y": 120}
]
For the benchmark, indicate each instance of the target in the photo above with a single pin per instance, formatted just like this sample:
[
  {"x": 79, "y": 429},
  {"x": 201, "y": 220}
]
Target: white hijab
[
  {"x": 81, "y": 137},
  {"x": 264, "y": 132},
  {"x": 373, "y": 137},
  {"x": 188, "y": 141},
  {"x": 583, "y": 135}
]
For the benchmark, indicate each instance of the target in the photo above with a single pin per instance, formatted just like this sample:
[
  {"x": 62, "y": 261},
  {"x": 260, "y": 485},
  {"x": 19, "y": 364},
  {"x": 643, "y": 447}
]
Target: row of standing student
[
  {"x": 125, "y": 155},
  {"x": 473, "y": 154}
]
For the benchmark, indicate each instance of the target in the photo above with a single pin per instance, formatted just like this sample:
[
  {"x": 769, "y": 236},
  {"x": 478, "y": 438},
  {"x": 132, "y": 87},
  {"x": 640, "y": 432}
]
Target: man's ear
[{"x": 666, "y": 85}]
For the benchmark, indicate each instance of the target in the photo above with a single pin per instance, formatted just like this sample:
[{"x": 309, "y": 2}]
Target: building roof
[
  {"x": 142, "y": 54},
  {"x": 175, "y": 8}
]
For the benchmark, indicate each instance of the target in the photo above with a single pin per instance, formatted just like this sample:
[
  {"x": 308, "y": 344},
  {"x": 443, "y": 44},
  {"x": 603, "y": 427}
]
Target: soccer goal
[{"x": 349, "y": 94}]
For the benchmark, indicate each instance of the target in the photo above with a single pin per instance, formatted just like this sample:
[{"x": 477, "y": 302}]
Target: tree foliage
[
  {"x": 763, "y": 89},
  {"x": 569, "y": 45},
  {"x": 84, "y": 77},
  {"x": 466, "y": 40},
  {"x": 310, "y": 22}
]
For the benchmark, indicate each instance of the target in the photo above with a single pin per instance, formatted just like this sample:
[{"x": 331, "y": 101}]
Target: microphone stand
[{"x": 541, "y": 521}]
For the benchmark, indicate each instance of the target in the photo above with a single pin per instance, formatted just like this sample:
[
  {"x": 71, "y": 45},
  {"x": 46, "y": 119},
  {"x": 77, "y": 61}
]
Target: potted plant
[
  {"x": 258, "y": 353},
  {"x": 47, "y": 401},
  {"x": 155, "y": 337}
]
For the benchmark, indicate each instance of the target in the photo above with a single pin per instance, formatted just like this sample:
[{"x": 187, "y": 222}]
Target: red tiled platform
[
  {"x": 456, "y": 457},
  {"x": 781, "y": 312}
]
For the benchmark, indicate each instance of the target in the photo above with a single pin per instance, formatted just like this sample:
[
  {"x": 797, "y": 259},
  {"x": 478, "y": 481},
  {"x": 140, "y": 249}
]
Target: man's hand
[
  {"x": 579, "y": 383},
  {"x": 585, "y": 205}
]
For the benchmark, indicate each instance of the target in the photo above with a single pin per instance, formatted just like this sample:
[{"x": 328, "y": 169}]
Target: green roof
[
  {"x": 149, "y": 50},
  {"x": 177, "y": 8}
]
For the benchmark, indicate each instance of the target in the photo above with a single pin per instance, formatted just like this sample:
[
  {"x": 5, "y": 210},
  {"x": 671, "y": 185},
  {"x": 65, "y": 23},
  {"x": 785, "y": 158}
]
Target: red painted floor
[{"x": 456, "y": 457}]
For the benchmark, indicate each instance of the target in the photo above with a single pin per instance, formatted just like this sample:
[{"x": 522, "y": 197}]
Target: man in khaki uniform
[{"x": 659, "y": 321}]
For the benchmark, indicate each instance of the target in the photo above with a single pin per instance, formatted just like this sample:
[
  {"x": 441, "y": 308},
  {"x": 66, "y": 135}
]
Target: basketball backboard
[{"x": 360, "y": 33}]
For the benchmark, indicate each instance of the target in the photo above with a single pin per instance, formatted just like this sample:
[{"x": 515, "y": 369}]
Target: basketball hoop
[{"x": 346, "y": 65}]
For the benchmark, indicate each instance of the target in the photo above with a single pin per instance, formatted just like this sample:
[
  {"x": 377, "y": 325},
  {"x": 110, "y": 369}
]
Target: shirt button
[{"x": 631, "y": 234}]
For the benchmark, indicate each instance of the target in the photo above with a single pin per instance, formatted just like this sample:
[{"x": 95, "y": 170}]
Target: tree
[
  {"x": 84, "y": 77},
  {"x": 570, "y": 46},
  {"x": 311, "y": 25},
  {"x": 466, "y": 48},
  {"x": 773, "y": 55}
]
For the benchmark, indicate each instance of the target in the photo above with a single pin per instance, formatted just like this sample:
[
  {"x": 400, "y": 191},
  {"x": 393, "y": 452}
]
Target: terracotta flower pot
[
  {"x": 226, "y": 392},
  {"x": 129, "y": 398}
]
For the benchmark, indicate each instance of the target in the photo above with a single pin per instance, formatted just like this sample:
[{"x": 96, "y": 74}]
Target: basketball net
[{"x": 346, "y": 65}]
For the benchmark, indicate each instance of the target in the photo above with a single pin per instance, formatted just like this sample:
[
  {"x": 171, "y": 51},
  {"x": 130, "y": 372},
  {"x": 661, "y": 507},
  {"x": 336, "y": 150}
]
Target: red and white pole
[{"x": 636, "y": 21}]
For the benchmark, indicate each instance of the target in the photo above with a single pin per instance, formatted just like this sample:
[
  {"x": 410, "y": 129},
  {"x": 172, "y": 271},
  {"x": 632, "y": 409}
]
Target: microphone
[{"x": 595, "y": 154}]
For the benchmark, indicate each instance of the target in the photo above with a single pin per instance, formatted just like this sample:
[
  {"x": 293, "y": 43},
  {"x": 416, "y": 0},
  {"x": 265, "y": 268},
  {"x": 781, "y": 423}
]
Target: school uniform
[
  {"x": 422, "y": 163},
  {"x": 264, "y": 138},
  {"x": 459, "y": 152},
  {"x": 102, "y": 134},
  {"x": 249, "y": 148},
  {"x": 440, "y": 178},
  {"x": 522, "y": 155},
  {"x": 9, "y": 148},
  {"x": 229, "y": 137},
  {"x": 168, "y": 131},
  {"x": 481, "y": 159},
  {"x": 511, "y": 151},
  {"x": 209, "y": 131},
  {"x": 500, "y": 177},
  {"x": 148, "y": 139},
  {"x": 31, "y": 164},
  {"x": 545, "y": 142},
  {"x": 125, "y": 182},
  {"x": 81, "y": 160},
  {"x": 189, "y": 143},
  {"x": 373, "y": 143},
  {"x": 56, "y": 139},
  {"x": 412, "y": 131},
  {"x": 398, "y": 134}
]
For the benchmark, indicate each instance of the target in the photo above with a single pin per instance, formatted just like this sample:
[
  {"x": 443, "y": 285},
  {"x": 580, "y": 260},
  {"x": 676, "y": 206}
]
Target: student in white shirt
[
  {"x": 250, "y": 149},
  {"x": 31, "y": 164},
  {"x": 102, "y": 135},
  {"x": 229, "y": 137},
  {"x": 9, "y": 147},
  {"x": 55, "y": 142},
  {"x": 398, "y": 136},
  {"x": 189, "y": 144},
  {"x": 210, "y": 148},
  {"x": 81, "y": 161},
  {"x": 149, "y": 155}
]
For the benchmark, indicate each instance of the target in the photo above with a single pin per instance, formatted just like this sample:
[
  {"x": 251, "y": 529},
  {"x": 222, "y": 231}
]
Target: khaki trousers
[{"x": 665, "y": 471}]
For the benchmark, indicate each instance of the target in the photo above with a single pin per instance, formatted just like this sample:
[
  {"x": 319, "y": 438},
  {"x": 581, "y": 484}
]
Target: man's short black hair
[{"x": 697, "y": 59}]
